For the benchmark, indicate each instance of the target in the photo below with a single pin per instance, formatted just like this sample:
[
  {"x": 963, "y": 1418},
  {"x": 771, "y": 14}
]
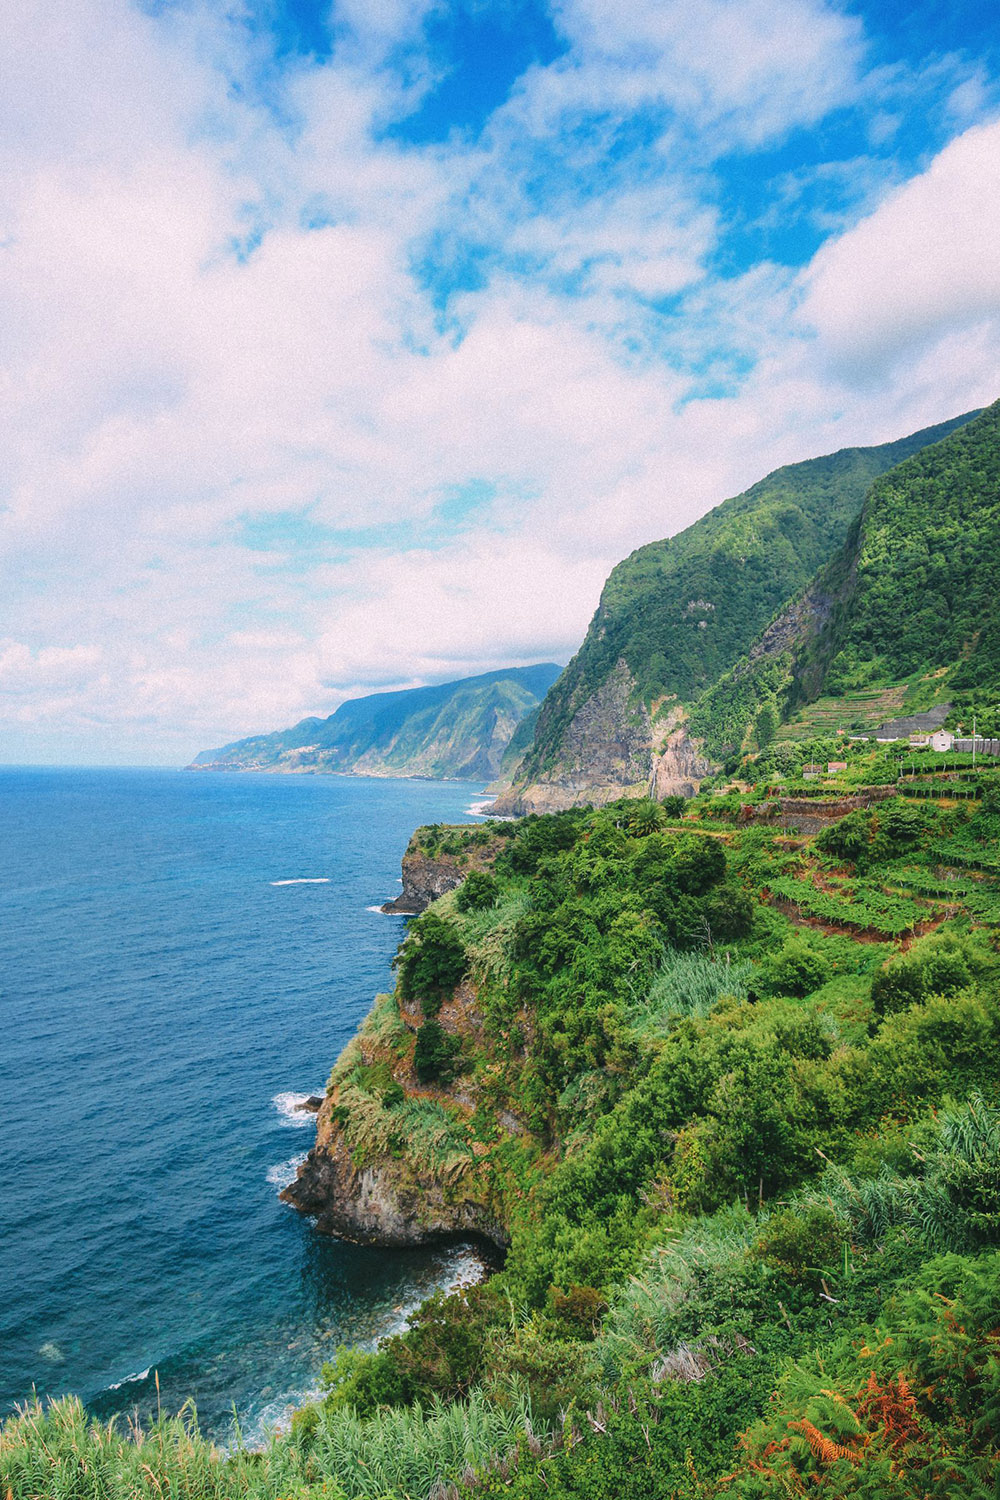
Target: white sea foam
[
  {"x": 281, "y": 1175},
  {"x": 480, "y": 809},
  {"x": 116, "y": 1385},
  {"x": 304, "y": 880},
  {"x": 285, "y": 1104}
]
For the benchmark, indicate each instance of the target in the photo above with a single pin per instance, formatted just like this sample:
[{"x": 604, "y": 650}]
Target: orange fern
[
  {"x": 823, "y": 1447},
  {"x": 891, "y": 1407}
]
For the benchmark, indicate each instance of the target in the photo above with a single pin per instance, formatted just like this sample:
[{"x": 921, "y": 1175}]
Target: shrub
[
  {"x": 798, "y": 969},
  {"x": 431, "y": 962},
  {"x": 434, "y": 1056},
  {"x": 938, "y": 965},
  {"x": 801, "y": 1242},
  {"x": 478, "y": 892}
]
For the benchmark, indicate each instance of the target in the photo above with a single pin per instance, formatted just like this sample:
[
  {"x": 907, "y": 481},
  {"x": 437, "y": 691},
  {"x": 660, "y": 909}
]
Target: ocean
[{"x": 182, "y": 957}]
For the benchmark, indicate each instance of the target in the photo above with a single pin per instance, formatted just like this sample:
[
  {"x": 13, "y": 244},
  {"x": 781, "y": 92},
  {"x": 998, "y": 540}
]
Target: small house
[
  {"x": 941, "y": 740},
  {"x": 809, "y": 772},
  {"x": 920, "y": 741},
  {"x": 833, "y": 766}
]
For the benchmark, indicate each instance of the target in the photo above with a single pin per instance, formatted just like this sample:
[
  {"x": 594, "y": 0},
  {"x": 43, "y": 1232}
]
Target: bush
[
  {"x": 478, "y": 892},
  {"x": 431, "y": 962},
  {"x": 801, "y": 1242},
  {"x": 938, "y": 965},
  {"x": 798, "y": 969},
  {"x": 434, "y": 1056}
]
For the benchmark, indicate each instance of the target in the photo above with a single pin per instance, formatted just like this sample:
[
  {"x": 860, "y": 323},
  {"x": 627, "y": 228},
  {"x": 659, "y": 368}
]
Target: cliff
[
  {"x": 436, "y": 861},
  {"x": 614, "y": 746},
  {"x": 907, "y": 601},
  {"x": 395, "y": 1161},
  {"x": 455, "y": 729},
  {"x": 677, "y": 615}
]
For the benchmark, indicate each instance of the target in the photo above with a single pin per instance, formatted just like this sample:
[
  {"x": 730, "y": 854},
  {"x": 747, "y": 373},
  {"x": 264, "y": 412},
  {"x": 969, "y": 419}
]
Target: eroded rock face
[
  {"x": 424, "y": 880},
  {"x": 678, "y": 765},
  {"x": 605, "y": 754},
  {"x": 613, "y": 747},
  {"x": 384, "y": 1202}
]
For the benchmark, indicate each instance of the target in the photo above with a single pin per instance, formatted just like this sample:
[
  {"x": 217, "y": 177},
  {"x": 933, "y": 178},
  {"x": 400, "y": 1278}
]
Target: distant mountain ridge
[
  {"x": 456, "y": 729},
  {"x": 676, "y": 616}
]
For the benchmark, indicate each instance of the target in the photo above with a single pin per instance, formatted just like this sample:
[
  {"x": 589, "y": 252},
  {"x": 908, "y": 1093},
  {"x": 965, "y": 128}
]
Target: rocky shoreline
[{"x": 376, "y": 1189}]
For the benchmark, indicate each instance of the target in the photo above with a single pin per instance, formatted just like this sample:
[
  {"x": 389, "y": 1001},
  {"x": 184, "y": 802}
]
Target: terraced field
[{"x": 854, "y": 713}]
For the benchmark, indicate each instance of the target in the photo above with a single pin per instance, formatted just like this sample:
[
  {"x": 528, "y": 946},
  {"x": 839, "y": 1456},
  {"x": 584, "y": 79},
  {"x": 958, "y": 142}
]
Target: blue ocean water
[{"x": 181, "y": 957}]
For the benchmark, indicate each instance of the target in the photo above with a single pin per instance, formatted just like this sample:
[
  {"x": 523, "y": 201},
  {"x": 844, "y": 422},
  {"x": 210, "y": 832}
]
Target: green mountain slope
[
  {"x": 909, "y": 599},
  {"x": 677, "y": 614},
  {"x": 456, "y": 729}
]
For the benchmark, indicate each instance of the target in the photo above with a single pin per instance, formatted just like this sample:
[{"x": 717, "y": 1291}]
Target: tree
[{"x": 431, "y": 962}]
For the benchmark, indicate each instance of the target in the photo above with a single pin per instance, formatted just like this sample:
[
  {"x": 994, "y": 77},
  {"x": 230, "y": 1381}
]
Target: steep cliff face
[
  {"x": 424, "y": 880},
  {"x": 430, "y": 870},
  {"x": 615, "y": 746},
  {"x": 388, "y": 1201},
  {"x": 675, "y": 617},
  {"x": 396, "y": 1160},
  {"x": 606, "y": 753}
]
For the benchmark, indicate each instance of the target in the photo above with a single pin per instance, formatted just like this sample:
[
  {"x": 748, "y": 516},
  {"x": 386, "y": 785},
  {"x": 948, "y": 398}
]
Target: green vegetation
[
  {"x": 455, "y": 729},
  {"x": 681, "y": 612},
  {"x": 748, "y": 1158},
  {"x": 902, "y": 614}
]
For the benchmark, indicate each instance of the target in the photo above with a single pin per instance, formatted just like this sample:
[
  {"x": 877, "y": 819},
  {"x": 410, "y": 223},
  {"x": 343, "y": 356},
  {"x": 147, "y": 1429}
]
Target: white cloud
[
  {"x": 209, "y": 317},
  {"x": 922, "y": 266},
  {"x": 752, "y": 67}
]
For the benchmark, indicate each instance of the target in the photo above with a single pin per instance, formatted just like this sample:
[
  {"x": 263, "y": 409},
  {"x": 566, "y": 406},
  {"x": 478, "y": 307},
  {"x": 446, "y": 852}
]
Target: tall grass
[
  {"x": 420, "y": 1130},
  {"x": 689, "y": 984},
  {"x": 952, "y": 1197},
  {"x": 488, "y": 935},
  {"x": 414, "y": 1451},
  {"x": 642, "y": 1326},
  {"x": 56, "y": 1452}
]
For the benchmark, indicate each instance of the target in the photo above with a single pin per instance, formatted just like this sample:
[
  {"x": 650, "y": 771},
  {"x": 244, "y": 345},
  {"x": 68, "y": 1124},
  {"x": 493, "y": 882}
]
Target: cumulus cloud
[
  {"x": 269, "y": 441},
  {"x": 921, "y": 267}
]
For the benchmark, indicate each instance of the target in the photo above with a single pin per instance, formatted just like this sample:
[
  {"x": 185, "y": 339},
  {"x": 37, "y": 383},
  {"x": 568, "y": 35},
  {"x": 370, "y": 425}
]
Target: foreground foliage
[{"x": 749, "y": 1160}]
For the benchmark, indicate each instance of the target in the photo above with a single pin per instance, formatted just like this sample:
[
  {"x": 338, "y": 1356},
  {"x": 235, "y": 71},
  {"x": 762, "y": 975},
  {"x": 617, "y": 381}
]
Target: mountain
[
  {"x": 676, "y": 615},
  {"x": 907, "y": 605},
  {"x": 455, "y": 729}
]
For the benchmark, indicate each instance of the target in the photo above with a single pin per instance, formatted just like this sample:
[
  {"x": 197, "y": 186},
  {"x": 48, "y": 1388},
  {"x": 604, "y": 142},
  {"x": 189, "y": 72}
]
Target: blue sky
[{"x": 354, "y": 345}]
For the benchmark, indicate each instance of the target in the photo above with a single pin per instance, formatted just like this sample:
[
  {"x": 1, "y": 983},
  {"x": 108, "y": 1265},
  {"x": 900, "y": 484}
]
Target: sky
[{"x": 348, "y": 347}]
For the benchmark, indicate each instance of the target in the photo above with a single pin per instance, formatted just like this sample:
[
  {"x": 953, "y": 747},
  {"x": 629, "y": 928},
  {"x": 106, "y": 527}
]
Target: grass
[
  {"x": 689, "y": 984},
  {"x": 56, "y": 1452}
]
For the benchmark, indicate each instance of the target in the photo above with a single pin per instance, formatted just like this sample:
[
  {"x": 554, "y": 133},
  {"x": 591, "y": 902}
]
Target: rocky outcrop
[
  {"x": 396, "y": 1161},
  {"x": 428, "y": 874},
  {"x": 424, "y": 880},
  {"x": 385, "y": 1201}
]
